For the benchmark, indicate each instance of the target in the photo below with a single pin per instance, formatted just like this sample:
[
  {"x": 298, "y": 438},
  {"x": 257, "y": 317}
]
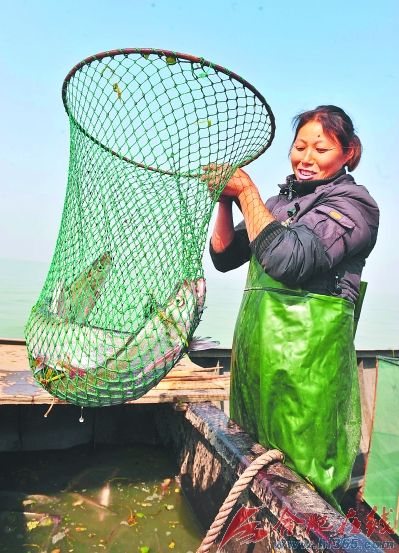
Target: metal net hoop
[{"x": 168, "y": 102}]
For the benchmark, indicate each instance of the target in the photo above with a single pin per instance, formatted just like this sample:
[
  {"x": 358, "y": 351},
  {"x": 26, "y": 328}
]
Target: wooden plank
[
  {"x": 186, "y": 382},
  {"x": 13, "y": 358},
  {"x": 194, "y": 377},
  {"x": 368, "y": 384},
  {"x": 177, "y": 385},
  {"x": 182, "y": 372},
  {"x": 153, "y": 396},
  {"x": 186, "y": 396}
]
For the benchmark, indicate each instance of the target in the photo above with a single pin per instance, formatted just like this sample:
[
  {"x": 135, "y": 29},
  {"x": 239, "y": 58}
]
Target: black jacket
[{"x": 323, "y": 233}]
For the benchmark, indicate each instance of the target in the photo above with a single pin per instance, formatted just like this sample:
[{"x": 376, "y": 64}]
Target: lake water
[
  {"x": 111, "y": 499},
  {"x": 21, "y": 282}
]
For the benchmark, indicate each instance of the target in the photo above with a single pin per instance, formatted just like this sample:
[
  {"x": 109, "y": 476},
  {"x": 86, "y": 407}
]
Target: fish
[
  {"x": 40, "y": 498},
  {"x": 16, "y": 501},
  {"x": 77, "y": 301},
  {"x": 90, "y": 366},
  {"x": 91, "y": 502}
]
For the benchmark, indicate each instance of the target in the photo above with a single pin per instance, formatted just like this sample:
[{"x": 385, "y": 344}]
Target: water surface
[
  {"x": 21, "y": 282},
  {"x": 108, "y": 499}
]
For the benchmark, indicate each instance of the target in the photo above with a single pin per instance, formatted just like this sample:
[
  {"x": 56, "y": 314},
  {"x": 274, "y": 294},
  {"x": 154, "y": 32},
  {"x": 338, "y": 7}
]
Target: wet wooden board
[{"x": 186, "y": 382}]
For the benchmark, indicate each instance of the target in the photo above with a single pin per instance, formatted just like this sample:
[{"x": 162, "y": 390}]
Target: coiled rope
[{"x": 243, "y": 481}]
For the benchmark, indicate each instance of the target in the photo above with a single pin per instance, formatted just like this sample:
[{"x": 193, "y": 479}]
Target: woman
[{"x": 294, "y": 379}]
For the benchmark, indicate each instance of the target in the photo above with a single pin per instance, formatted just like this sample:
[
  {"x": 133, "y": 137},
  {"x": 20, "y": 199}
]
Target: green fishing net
[{"x": 125, "y": 289}]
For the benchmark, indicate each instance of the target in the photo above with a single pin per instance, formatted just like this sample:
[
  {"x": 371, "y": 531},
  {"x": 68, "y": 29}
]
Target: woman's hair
[{"x": 336, "y": 124}]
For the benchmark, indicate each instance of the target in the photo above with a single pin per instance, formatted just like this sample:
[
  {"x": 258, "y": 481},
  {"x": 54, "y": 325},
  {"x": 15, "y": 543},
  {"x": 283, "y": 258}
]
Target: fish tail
[{"x": 199, "y": 344}]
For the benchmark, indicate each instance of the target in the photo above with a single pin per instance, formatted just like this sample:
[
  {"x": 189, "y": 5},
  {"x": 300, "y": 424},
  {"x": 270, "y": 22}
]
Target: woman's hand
[
  {"x": 238, "y": 183},
  {"x": 241, "y": 189}
]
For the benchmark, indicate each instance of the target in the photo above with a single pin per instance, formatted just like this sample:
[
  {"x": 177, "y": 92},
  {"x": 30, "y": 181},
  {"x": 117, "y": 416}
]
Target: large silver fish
[
  {"x": 76, "y": 301},
  {"x": 90, "y": 366}
]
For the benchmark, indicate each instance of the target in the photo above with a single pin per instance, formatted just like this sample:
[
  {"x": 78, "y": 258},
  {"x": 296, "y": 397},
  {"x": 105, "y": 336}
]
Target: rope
[{"x": 243, "y": 481}]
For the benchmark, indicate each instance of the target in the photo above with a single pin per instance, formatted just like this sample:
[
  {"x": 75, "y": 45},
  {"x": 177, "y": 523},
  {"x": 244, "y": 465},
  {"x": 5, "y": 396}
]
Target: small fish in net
[{"x": 125, "y": 290}]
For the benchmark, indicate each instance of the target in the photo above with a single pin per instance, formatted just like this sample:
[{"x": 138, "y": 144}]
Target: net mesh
[{"x": 125, "y": 289}]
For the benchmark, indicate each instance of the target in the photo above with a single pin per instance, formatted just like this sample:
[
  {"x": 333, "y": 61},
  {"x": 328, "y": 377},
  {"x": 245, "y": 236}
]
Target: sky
[{"x": 297, "y": 54}]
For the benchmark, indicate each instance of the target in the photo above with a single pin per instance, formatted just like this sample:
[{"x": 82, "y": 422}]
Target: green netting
[
  {"x": 125, "y": 289},
  {"x": 381, "y": 488}
]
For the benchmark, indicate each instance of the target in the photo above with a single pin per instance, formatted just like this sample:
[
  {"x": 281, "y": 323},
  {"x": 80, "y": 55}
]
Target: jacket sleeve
[{"x": 319, "y": 240}]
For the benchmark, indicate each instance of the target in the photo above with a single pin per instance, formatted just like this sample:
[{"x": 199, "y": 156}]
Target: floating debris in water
[
  {"x": 132, "y": 519},
  {"x": 154, "y": 497},
  {"x": 31, "y": 524},
  {"x": 45, "y": 520},
  {"x": 165, "y": 485},
  {"x": 59, "y": 536}
]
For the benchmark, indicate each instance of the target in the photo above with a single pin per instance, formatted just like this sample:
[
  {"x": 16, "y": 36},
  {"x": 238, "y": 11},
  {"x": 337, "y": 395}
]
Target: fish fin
[{"x": 199, "y": 344}]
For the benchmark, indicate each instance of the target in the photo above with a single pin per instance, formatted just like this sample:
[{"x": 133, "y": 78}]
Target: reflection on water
[{"x": 109, "y": 499}]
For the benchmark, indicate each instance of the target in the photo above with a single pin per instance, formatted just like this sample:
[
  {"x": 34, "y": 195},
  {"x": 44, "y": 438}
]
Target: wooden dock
[{"x": 185, "y": 383}]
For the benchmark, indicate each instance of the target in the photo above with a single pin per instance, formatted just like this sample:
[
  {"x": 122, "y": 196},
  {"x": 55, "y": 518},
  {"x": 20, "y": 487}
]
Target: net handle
[{"x": 177, "y": 55}]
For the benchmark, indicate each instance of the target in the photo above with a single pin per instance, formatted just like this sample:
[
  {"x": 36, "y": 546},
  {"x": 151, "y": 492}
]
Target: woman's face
[{"x": 315, "y": 155}]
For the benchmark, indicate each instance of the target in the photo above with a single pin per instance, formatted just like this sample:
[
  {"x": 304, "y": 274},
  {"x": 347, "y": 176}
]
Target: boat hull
[{"x": 210, "y": 452}]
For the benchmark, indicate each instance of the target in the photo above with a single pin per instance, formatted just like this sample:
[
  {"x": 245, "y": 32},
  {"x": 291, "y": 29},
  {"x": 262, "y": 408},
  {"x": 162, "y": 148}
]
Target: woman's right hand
[
  {"x": 239, "y": 181},
  {"x": 213, "y": 175},
  {"x": 241, "y": 189}
]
